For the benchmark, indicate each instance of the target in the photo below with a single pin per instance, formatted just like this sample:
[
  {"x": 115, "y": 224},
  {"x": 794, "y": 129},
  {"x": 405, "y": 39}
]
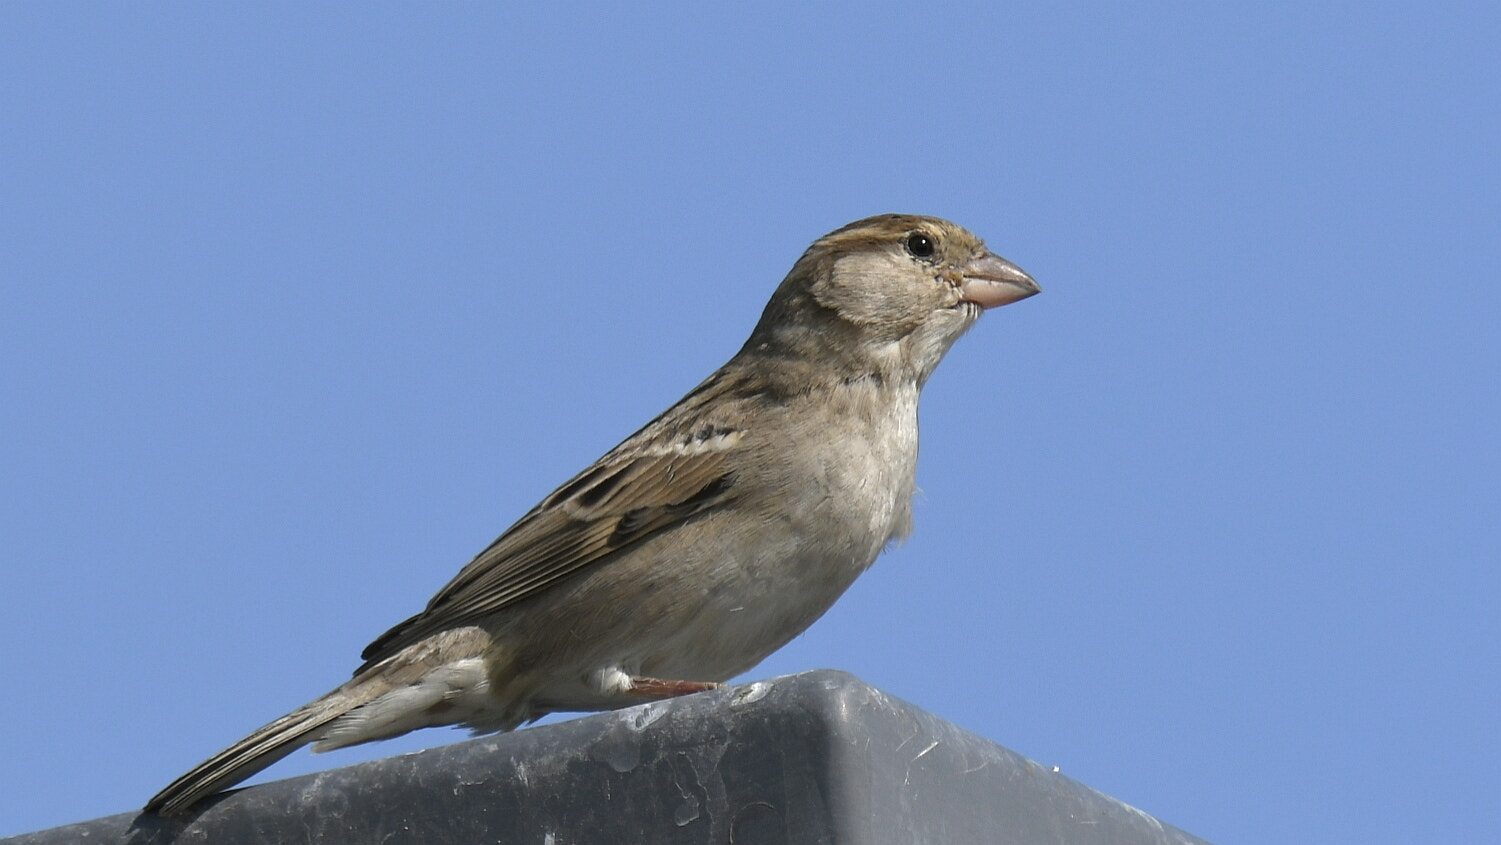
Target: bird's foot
[{"x": 659, "y": 688}]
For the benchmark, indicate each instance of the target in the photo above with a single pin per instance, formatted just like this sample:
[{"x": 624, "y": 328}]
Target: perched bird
[{"x": 706, "y": 540}]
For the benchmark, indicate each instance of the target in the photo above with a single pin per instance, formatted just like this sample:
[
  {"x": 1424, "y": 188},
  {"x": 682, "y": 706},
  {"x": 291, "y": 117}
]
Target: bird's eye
[{"x": 920, "y": 245}]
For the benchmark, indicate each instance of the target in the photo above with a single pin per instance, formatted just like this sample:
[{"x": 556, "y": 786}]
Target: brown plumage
[{"x": 704, "y": 541}]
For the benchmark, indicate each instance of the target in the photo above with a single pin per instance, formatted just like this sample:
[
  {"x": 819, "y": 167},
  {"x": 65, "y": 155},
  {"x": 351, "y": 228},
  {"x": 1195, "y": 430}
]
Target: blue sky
[{"x": 299, "y": 308}]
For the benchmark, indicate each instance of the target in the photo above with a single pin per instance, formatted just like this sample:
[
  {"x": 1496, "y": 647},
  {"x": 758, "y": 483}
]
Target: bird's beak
[{"x": 991, "y": 280}]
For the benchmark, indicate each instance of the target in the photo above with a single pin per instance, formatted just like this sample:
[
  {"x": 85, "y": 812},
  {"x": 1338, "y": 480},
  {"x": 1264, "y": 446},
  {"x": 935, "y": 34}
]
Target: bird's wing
[{"x": 647, "y": 485}]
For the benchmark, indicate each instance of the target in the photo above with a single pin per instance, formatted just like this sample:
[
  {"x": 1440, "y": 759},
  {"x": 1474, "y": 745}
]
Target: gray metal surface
[{"x": 813, "y": 758}]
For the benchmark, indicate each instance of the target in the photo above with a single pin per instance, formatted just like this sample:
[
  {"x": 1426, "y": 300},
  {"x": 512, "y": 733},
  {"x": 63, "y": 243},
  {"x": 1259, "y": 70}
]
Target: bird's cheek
[{"x": 949, "y": 290}]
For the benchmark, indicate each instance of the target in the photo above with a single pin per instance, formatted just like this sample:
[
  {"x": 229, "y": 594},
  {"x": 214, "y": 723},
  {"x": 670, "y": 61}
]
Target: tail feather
[
  {"x": 439, "y": 681},
  {"x": 263, "y": 747}
]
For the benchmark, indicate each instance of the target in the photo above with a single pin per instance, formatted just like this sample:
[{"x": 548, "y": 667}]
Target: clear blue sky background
[{"x": 300, "y": 308}]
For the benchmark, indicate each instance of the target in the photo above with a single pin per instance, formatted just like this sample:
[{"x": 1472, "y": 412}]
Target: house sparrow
[{"x": 702, "y": 543}]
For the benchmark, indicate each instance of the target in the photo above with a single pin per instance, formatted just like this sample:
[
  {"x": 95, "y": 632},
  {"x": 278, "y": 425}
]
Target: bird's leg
[{"x": 658, "y": 688}]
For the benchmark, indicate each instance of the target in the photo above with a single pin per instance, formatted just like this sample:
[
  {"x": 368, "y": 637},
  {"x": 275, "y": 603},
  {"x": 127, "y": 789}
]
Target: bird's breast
[{"x": 842, "y": 492}]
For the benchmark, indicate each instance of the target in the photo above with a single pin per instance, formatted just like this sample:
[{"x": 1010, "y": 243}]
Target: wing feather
[{"x": 653, "y": 482}]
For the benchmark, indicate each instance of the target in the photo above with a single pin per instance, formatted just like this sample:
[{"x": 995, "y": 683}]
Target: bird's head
[{"x": 891, "y": 291}]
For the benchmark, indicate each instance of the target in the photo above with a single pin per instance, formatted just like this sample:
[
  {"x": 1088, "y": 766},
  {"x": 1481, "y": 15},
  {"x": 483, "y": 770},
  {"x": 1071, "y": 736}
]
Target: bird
[{"x": 703, "y": 542}]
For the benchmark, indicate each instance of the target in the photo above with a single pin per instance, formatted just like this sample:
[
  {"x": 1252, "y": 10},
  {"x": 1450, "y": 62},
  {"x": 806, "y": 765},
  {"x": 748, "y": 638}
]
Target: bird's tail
[{"x": 264, "y": 746}]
